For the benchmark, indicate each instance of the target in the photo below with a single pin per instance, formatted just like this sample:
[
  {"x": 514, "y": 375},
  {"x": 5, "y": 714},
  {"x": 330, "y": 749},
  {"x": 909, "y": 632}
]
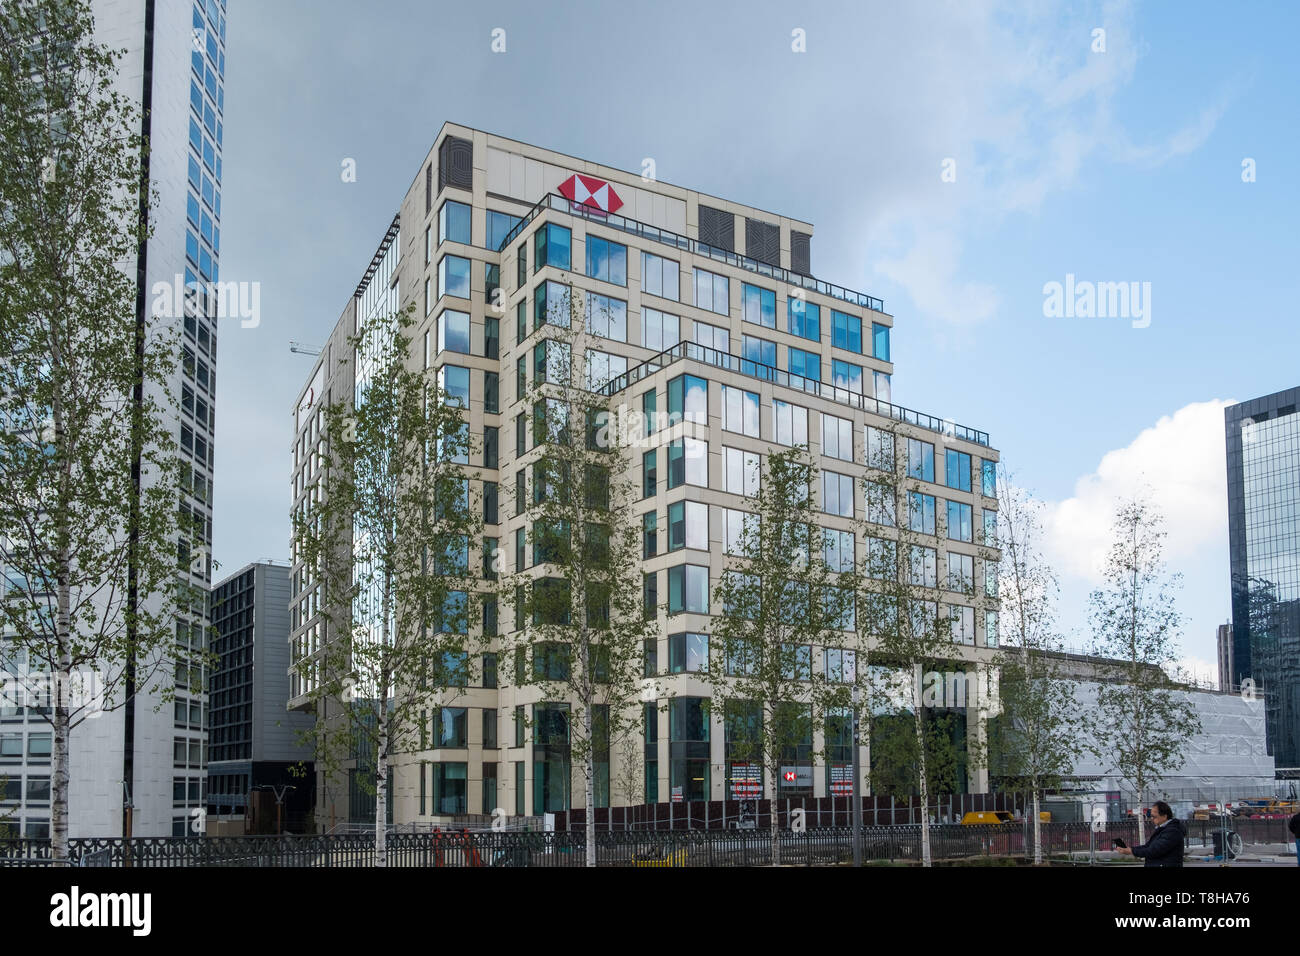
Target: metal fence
[{"x": 723, "y": 848}]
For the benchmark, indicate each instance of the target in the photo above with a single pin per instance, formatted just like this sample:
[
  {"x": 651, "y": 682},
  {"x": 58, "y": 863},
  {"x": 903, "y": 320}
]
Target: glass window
[
  {"x": 882, "y": 558},
  {"x": 606, "y": 260},
  {"x": 758, "y": 305},
  {"x": 688, "y": 463},
  {"x": 882, "y": 388},
  {"x": 650, "y": 660},
  {"x": 649, "y": 473},
  {"x": 491, "y": 337},
  {"x": 659, "y": 330},
  {"x": 963, "y": 624},
  {"x": 454, "y": 381},
  {"x": 450, "y": 787},
  {"x": 607, "y": 317},
  {"x": 453, "y": 332},
  {"x": 551, "y": 245},
  {"x": 880, "y": 341},
  {"x": 550, "y": 305},
  {"x": 880, "y": 449},
  {"x": 796, "y": 661},
  {"x": 551, "y": 361},
  {"x": 711, "y": 336},
  {"x": 846, "y": 375},
  {"x": 838, "y": 549},
  {"x": 659, "y": 277},
  {"x": 846, "y": 331},
  {"x": 492, "y": 394},
  {"x": 841, "y": 665},
  {"x": 988, "y": 478},
  {"x": 602, "y": 367},
  {"x": 805, "y": 318},
  {"x": 650, "y": 410},
  {"x": 789, "y": 423},
  {"x": 452, "y": 727},
  {"x": 649, "y": 534},
  {"x": 837, "y": 437},
  {"x": 961, "y": 572},
  {"x": 923, "y": 564},
  {"x": 805, "y": 364},
  {"x": 837, "y": 494},
  {"x": 499, "y": 225},
  {"x": 454, "y": 222},
  {"x": 688, "y": 526},
  {"x": 711, "y": 292},
  {"x": 688, "y": 400},
  {"x": 956, "y": 469},
  {"x": 743, "y": 471},
  {"x": 959, "y": 521},
  {"x": 759, "y": 351},
  {"x": 990, "y": 527},
  {"x": 920, "y": 459},
  {"x": 921, "y": 512},
  {"x": 991, "y": 628},
  {"x": 688, "y": 589},
  {"x": 739, "y": 411},
  {"x": 688, "y": 653},
  {"x": 453, "y": 277},
  {"x": 739, "y": 532}
]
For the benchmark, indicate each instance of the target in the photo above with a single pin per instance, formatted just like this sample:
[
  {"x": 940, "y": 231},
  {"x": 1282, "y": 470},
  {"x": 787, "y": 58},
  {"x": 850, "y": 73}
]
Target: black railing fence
[{"x": 812, "y": 846}]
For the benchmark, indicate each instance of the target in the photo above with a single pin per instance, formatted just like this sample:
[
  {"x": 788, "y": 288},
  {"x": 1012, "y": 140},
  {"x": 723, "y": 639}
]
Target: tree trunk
[
  {"x": 381, "y": 788},
  {"x": 924, "y": 783},
  {"x": 1038, "y": 830},
  {"x": 590, "y": 769},
  {"x": 1142, "y": 828}
]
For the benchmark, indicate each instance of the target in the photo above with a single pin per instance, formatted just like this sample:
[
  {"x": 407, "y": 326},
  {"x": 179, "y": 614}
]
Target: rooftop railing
[
  {"x": 684, "y": 243},
  {"x": 768, "y": 373}
]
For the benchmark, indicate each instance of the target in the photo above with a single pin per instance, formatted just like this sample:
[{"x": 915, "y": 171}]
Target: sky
[{"x": 955, "y": 159}]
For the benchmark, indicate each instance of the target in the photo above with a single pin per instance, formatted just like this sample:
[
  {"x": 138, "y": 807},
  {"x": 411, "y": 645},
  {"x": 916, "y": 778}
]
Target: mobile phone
[{"x": 1118, "y": 842}]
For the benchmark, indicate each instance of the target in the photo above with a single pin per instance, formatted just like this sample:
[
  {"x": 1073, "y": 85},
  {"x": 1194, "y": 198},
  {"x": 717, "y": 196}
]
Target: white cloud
[{"x": 1181, "y": 460}]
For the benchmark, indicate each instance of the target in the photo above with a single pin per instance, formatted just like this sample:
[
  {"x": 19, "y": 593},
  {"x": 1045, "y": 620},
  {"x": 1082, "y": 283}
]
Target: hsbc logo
[
  {"x": 590, "y": 192},
  {"x": 790, "y": 776}
]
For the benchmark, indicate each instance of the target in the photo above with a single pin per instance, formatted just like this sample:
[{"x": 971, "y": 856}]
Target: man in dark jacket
[{"x": 1165, "y": 848}]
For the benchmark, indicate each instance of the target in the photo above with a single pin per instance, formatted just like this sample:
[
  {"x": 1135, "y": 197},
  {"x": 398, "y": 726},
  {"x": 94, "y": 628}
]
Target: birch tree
[
  {"x": 1037, "y": 734},
  {"x": 390, "y": 539},
  {"x": 899, "y": 619},
  {"x": 1143, "y": 719},
  {"x": 90, "y": 477},
  {"x": 580, "y": 620},
  {"x": 779, "y": 599}
]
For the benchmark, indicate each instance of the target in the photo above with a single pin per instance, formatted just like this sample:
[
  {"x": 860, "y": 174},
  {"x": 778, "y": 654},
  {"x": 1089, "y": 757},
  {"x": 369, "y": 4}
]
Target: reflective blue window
[
  {"x": 205, "y": 264},
  {"x": 988, "y": 478},
  {"x": 196, "y": 138},
  {"x": 606, "y": 260},
  {"x": 880, "y": 341},
  {"x": 688, "y": 399},
  {"x": 209, "y": 155},
  {"x": 196, "y": 98},
  {"x": 453, "y": 332},
  {"x": 455, "y": 382},
  {"x": 921, "y": 512},
  {"x": 210, "y": 82},
  {"x": 499, "y": 225},
  {"x": 757, "y": 350},
  {"x": 210, "y": 119},
  {"x": 956, "y": 469},
  {"x": 192, "y": 208},
  {"x": 551, "y": 245},
  {"x": 453, "y": 277},
  {"x": 846, "y": 375},
  {"x": 805, "y": 318},
  {"x": 959, "y": 521},
  {"x": 205, "y": 227},
  {"x": 218, "y": 169},
  {"x": 194, "y": 172},
  {"x": 807, "y": 364},
  {"x": 191, "y": 246},
  {"x": 758, "y": 305},
  {"x": 846, "y": 331},
  {"x": 920, "y": 459},
  {"x": 207, "y": 190},
  {"x": 453, "y": 222},
  {"x": 196, "y": 62},
  {"x": 551, "y": 305}
]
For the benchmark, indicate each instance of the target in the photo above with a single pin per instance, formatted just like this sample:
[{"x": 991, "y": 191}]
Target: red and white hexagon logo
[{"x": 593, "y": 193}]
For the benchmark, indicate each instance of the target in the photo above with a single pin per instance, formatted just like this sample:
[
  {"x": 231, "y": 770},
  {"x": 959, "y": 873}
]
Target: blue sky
[{"x": 1122, "y": 164}]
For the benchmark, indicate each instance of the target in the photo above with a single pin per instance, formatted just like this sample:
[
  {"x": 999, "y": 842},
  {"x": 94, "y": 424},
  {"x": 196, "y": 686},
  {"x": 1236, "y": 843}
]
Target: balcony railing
[
  {"x": 767, "y": 373},
  {"x": 685, "y": 244}
]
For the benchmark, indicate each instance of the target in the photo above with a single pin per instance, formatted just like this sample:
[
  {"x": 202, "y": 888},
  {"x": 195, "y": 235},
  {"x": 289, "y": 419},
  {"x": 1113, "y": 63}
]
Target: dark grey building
[
  {"x": 1223, "y": 640},
  {"x": 253, "y": 740},
  {"x": 1263, "y": 444}
]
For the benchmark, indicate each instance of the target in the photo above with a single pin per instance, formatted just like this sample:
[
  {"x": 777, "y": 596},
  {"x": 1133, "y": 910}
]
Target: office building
[
  {"x": 253, "y": 743},
  {"x": 173, "y": 69},
  {"x": 1263, "y": 445},
  {"x": 1223, "y": 640},
  {"x": 700, "y": 302}
]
